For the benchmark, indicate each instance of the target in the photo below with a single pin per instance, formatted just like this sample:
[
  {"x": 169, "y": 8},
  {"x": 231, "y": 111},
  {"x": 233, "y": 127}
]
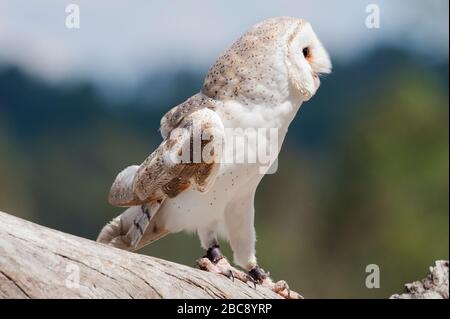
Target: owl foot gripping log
[
  {"x": 216, "y": 263},
  {"x": 199, "y": 179}
]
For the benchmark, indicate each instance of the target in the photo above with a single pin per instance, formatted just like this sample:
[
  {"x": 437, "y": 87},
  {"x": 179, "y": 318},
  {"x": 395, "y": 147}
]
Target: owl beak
[{"x": 316, "y": 80}]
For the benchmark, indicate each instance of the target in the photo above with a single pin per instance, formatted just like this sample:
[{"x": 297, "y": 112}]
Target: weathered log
[
  {"x": 38, "y": 262},
  {"x": 434, "y": 286}
]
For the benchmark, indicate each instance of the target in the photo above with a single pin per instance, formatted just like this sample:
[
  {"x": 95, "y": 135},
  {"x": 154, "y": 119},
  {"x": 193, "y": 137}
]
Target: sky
[{"x": 122, "y": 41}]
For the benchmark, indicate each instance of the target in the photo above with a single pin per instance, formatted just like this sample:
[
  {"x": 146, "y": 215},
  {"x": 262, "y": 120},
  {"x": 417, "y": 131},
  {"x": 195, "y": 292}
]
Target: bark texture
[{"x": 434, "y": 286}]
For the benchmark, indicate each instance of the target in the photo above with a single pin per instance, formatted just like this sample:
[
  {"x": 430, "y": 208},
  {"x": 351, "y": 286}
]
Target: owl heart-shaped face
[{"x": 306, "y": 59}]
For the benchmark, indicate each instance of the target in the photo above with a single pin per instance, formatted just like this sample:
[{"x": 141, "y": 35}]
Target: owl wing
[
  {"x": 177, "y": 114},
  {"x": 190, "y": 155}
]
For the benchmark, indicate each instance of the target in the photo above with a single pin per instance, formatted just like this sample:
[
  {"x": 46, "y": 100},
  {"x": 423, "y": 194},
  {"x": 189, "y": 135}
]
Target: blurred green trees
[{"x": 389, "y": 200}]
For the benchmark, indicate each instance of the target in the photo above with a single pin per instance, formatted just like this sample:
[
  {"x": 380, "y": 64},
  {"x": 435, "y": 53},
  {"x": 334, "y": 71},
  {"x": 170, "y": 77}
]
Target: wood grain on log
[{"x": 38, "y": 262}]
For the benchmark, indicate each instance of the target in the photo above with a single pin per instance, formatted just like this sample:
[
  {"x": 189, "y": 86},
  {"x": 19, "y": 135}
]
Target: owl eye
[{"x": 306, "y": 52}]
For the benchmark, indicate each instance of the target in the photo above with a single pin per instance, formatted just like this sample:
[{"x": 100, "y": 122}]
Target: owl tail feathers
[{"x": 134, "y": 228}]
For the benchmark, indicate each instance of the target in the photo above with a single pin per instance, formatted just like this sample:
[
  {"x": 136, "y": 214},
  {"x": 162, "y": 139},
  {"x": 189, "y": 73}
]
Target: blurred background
[{"x": 363, "y": 176}]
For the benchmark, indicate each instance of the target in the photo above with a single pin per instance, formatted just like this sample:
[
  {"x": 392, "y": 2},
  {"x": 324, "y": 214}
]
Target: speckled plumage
[
  {"x": 249, "y": 72},
  {"x": 259, "y": 82}
]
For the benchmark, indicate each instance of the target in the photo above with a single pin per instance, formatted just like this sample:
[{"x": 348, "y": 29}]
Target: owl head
[{"x": 277, "y": 59}]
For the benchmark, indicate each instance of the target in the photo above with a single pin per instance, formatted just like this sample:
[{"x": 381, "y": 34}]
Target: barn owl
[{"x": 258, "y": 83}]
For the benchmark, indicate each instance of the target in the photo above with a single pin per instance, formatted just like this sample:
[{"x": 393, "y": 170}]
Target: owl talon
[
  {"x": 222, "y": 267},
  {"x": 215, "y": 262},
  {"x": 253, "y": 281},
  {"x": 258, "y": 276},
  {"x": 231, "y": 275}
]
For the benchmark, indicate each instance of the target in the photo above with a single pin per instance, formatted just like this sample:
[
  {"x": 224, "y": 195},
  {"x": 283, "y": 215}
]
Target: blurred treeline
[{"x": 363, "y": 176}]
